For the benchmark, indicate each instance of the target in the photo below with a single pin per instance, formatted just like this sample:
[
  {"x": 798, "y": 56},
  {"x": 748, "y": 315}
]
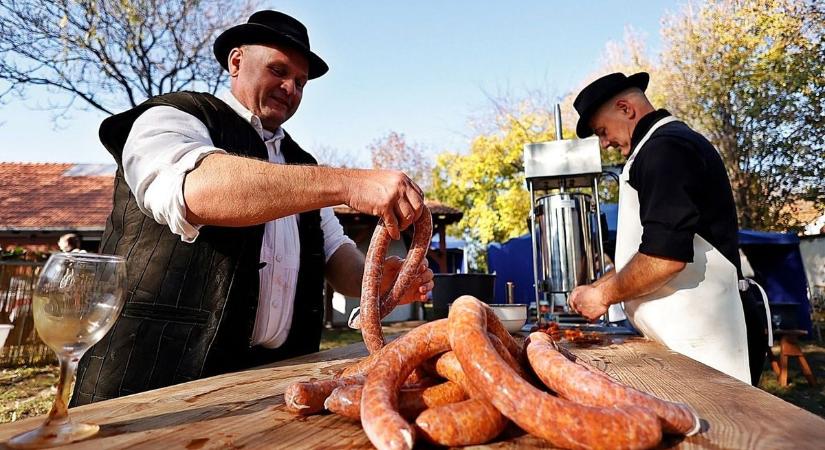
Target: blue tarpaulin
[
  {"x": 775, "y": 258},
  {"x": 511, "y": 261},
  {"x": 777, "y": 266}
]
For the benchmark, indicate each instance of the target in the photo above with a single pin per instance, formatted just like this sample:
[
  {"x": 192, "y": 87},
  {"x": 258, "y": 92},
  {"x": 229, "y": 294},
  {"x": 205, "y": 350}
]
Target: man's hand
[
  {"x": 388, "y": 194},
  {"x": 588, "y": 301},
  {"x": 422, "y": 284}
]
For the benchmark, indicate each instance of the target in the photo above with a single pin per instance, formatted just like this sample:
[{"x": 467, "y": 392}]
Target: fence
[{"x": 23, "y": 346}]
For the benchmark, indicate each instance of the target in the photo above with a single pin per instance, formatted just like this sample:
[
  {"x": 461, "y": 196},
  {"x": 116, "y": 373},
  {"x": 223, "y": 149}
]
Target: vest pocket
[{"x": 165, "y": 313}]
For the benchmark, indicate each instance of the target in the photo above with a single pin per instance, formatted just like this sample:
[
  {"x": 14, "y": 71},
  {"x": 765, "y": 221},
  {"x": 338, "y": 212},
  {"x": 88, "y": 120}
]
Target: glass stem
[{"x": 60, "y": 409}]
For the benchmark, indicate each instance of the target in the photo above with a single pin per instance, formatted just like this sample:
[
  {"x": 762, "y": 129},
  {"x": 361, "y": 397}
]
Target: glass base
[{"x": 53, "y": 435}]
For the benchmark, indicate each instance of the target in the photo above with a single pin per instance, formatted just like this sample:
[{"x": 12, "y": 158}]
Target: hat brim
[
  {"x": 638, "y": 80},
  {"x": 253, "y": 33}
]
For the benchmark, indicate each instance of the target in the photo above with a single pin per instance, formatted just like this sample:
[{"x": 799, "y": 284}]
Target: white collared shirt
[{"x": 166, "y": 143}]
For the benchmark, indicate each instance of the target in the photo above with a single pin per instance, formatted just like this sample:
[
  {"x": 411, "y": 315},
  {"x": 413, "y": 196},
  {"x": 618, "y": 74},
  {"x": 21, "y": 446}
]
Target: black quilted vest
[{"x": 190, "y": 308}]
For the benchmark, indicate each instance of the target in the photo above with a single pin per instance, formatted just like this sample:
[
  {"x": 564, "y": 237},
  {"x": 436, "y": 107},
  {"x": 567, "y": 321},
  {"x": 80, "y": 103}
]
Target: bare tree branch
[{"x": 113, "y": 54}]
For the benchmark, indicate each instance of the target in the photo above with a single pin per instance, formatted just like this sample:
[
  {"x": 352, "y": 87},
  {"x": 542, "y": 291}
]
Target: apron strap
[{"x": 767, "y": 308}]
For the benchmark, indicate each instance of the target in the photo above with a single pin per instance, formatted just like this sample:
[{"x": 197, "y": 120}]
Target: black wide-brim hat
[
  {"x": 598, "y": 92},
  {"x": 269, "y": 27}
]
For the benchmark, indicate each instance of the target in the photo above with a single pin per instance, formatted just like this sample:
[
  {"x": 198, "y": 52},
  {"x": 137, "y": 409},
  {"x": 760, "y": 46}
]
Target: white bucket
[{"x": 4, "y": 333}]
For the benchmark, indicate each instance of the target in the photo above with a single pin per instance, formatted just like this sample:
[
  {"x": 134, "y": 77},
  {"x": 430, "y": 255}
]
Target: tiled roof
[
  {"x": 55, "y": 196},
  {"x": 79, "y": 196}
]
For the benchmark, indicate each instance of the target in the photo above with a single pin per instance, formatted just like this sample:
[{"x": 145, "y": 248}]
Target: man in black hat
[
  {"x": 677, "y": 262},
  {"x": 226, "y": 223}
]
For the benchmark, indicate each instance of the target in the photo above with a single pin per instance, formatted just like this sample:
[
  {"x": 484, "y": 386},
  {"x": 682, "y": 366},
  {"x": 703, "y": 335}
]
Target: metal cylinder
[
  {"x": 565, "y": 230},
  {"x": 511, "y": 292}
]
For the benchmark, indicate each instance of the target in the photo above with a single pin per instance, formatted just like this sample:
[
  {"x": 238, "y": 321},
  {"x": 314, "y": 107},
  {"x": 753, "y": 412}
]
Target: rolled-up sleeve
[
  {"x": 334, "y": 236},
  {"x": 163, "y": 145},
  {"x": 666, "y": 176}
]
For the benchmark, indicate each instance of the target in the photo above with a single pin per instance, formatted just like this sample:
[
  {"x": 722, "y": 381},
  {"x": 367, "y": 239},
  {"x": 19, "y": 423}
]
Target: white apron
[{"x": 698, "y": 313}]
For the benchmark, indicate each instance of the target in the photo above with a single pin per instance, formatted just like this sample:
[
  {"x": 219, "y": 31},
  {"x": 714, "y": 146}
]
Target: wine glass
[{"x": 77, "y": 299}]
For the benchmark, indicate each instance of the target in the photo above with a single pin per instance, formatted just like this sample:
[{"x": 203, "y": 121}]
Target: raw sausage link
[
  {"x": 495, "y": 327},
  {"x": 576, "y": 383},
  {"x": 346, "y": 400},
  {"x": 470, "y": 422},
  {"x": 561, "y": 422},
  {"x": 383, "y": 425},
  {"x": 464, "y": 425},
  {"x": 373, "y": 306},
  {"x": 418, "y": 377},
  {"x": 447, "y": 366},
  {"x": 307, "y": 397},
  {"x": 414, "y": 401},
  {"x": 369, "y": 319}
]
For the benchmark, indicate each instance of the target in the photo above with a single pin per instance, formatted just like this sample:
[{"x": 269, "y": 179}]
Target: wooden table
[{"x": 246, "y": 410}]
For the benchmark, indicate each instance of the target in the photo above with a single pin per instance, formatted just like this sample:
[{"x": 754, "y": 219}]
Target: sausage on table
[
  {"x": 470, "y": 422},
  {"x": 576, "y": 383},
  {"x": 346, "y": 400},
  {"x": 307, "y": 397},
  {"x": 561, "y": 422},
  {"x": 380, "y": 419}
]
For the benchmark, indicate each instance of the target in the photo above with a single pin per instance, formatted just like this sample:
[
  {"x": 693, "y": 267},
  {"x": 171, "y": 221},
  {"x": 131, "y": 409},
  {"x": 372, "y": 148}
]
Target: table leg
[{"x": 806, "y": 370}]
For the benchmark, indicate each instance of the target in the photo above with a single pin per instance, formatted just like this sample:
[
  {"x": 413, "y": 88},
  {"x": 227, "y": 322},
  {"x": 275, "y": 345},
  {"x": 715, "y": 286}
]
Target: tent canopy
[{"x": 775, "y": 258}]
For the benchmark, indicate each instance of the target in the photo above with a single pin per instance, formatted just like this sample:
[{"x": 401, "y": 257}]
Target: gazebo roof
[{"x": 442, "y": 214}]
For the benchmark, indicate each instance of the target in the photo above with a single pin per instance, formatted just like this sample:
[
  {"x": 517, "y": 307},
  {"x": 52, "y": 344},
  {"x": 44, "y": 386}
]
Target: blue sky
[{"x": 421, "y": 68}]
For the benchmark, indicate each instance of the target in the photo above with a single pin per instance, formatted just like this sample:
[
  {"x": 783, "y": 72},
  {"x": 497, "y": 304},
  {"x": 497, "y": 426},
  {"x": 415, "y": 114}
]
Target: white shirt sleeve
[
  {"x": 334, "y": 236},
  {"x": 163, "y": 145}
]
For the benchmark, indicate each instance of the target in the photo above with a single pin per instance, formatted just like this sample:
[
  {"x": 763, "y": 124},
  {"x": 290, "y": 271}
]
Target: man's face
[
  {"x": 613, "y": 126},
  {"x": 269, "y": 81}
]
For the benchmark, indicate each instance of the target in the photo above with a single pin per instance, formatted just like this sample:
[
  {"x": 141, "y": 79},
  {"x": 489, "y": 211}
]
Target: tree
[
  {"x": 749, "y": 74},
  {"x": 394, "y": 152},
  {"x": 333, "y": 157},
  {"x": 628, "y": 56},
  {"x": 113, "y": 53},
  {"x": 487, "y": 183}
]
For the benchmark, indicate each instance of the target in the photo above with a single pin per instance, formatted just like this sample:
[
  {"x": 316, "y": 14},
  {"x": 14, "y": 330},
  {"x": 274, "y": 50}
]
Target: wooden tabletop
[{"x": 246, "y": 409}]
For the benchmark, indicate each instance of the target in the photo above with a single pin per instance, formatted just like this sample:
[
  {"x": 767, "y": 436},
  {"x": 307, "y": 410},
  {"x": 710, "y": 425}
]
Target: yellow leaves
[{"x": 487, "y": 183}]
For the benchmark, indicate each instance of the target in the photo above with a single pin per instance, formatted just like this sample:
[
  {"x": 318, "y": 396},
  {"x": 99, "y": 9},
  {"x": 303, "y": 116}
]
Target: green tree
[
  {"x": 749, "y": 74},
  {"x": 487, "y": 183}
]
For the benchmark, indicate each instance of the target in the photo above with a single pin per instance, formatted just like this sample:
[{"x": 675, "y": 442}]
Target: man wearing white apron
[{"x": 677, "y": 261}]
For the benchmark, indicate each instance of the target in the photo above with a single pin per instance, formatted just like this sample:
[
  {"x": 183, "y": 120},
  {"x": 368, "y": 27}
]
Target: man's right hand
[{"x": 388, "y": 194}]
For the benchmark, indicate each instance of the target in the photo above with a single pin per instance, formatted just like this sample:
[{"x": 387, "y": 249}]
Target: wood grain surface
[{"x": 246, "y": 409}]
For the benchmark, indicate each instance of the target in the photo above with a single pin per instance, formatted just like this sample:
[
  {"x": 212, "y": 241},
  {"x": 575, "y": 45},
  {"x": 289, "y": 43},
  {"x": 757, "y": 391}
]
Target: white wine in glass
[{"x": 77, "y": 299}]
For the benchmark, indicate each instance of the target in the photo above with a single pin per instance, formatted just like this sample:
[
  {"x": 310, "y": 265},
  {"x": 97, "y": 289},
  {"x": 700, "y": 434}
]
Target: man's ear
[
  {"x": 234, "y": 63},
  {"x": 625, "y": 108}
]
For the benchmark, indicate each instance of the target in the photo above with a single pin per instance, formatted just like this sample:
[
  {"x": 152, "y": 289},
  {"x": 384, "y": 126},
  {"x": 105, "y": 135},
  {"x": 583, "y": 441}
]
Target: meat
[
  {"x": 380, "y": 419},
  {"x": 373, "y": 305},
  {"x": 576, "y": 383},
  {"x": 307, "y": 397},
  {"x": 561, "y": 422},
  {"x": 470, "y": 422},
  {"x": 346, "y": 400}
]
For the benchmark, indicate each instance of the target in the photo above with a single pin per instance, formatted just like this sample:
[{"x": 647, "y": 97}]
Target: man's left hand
[
  {"x": 588, "y": 301},
  {"x": 421, "y": 285}
]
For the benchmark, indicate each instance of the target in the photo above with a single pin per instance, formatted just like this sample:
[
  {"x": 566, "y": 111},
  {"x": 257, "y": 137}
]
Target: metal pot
[{"x": 565, "y": 223}]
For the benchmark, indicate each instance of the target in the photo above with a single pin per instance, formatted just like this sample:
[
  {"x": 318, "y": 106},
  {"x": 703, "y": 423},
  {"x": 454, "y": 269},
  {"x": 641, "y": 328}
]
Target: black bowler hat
[
  {"x": 269, "y": 27},
  {"x": 596, "y": 93}
]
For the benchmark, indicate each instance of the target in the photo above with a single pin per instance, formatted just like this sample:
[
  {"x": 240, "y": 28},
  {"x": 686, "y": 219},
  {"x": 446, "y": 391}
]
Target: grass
[
  {"x": 29, "y": 391},
  {"x": 26, "y": 392},
  {"x": 798, "y": 391}
]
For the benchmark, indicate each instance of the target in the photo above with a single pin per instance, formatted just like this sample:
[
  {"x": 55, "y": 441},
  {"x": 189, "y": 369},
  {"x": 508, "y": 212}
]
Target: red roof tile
[{"x": 54, "y": 196}]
